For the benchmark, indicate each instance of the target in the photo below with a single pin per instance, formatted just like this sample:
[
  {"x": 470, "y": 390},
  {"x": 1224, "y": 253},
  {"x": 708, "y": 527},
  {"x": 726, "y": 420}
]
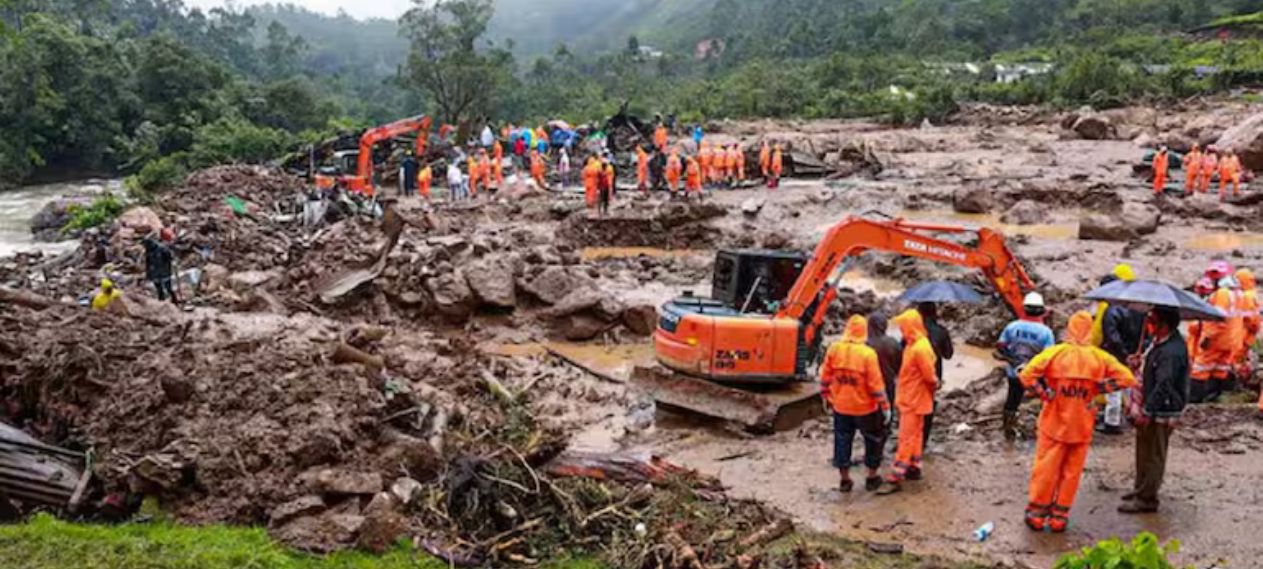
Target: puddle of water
[
  {"x": 601, "y": 253},
  {"x": 967, "y": 364},
  {"x": 615, "y": 361},
  {"x": 1224, "y": 241},
  {"x": 1058, "y": 231}
]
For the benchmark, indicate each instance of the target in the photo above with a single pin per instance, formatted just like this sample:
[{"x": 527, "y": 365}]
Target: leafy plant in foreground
[{"x": 1144, "y": 552}]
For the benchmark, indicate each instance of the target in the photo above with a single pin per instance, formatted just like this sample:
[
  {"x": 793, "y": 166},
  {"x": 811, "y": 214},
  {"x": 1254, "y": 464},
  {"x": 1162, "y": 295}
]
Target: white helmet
[{"x": 1033, "y": 300}]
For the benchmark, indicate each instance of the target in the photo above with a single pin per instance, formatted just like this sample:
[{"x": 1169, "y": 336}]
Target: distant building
[
  {"x": 650, "y": 52},
  {"x": 1012, "y": 73}
]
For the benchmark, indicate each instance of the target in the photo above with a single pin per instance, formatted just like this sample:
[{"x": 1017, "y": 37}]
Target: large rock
[
  {"x": 451, "y": 293},
  {"x": 140, "y": 219},
  {"x": 340, "y": 481},
  {"x": 492, "y": 280},
  {"x": 641, "y": 319},
  {"x": 1136, "y": 219},
  {"x": 297, "y": 508},
  {"x": 555, "y": 282},
  {"x": 1246, "y": 139},
  {"x": 752, "y": 206},
  {"x": 1094, "y": 127},
  {"x": 383, "y": 524},
  {"x": 323, "y": 533},
  {"x": 46, "y": 224},
  {"x": 972, "y": 200},
  {"x": 580, "y": 327},
  {"x": 1025, "y": 212},
  {"x": 590, "y": 300}
]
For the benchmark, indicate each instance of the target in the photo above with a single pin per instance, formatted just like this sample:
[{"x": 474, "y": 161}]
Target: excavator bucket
[{"x": 764, "y": 410}]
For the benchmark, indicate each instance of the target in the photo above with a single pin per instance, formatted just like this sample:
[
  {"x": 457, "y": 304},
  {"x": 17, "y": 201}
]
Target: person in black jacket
[
  {"x": 889, "y": 352},
  {"x": 941, "y": 341},
  {"x": 159, "y": 265},
  {"x": 1164, "y": 392},
  {"x": 1121, "y": 328}
]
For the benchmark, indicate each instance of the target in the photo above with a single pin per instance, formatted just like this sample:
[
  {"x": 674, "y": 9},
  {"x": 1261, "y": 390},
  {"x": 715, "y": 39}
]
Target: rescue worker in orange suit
[
  {"x": 740, "y": 163},
  {"x": 591, "y": 178},
  {"x": 731, "y": 164},
  {"x": 660, "y": 137},
  {"x": 693, "y": 178},
  {"x": 424, "y": 179},
  {"x": 1192, "y": 167},
  {"x": 1229, "y": 173},
  {"x": 705, "y": 156},
  {"x": 765, "y": 160},
  {"x": 1215, "y": 343},
  {"x": 538, "y": 170},
  {"x": 1249, "y": 308},
  {"x": 475, "y": 175},
  {"x": 484, "y": 164},
  {"x": 673, "y": 170},
  {"x": 1067, "y": 377},
  {"x": 497, "y": 163},
  {"x": 1210, "y": 163},
  {"x": 914, "y": 397},
  {"x": 852, "y": 385},
  {"x": 605, "y": 185},
  {"x": 778, "y": 167},
  {"x": 642, "y": 169},
  {"x": 1161, "y": 168}
]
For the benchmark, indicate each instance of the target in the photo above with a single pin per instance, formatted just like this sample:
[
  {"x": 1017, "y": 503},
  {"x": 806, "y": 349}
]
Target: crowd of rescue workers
[{"x": 1141, "y": 363}]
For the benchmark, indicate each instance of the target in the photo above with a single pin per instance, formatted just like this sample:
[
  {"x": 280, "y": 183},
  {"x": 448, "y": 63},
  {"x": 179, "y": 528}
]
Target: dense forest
[{"x": 150, "y": 88}]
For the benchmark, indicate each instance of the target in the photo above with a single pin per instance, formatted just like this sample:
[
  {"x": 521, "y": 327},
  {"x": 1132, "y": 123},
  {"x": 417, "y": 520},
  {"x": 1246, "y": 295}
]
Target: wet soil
[{"x": 535, "y": 290}]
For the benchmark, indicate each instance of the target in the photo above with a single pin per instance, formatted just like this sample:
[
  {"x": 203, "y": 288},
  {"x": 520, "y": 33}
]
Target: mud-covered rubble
[{"x": 337, "y": 438}]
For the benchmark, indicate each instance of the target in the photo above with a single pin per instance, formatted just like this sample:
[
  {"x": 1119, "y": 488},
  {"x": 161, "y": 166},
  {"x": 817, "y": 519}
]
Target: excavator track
[{"x": 765, "y": 410}]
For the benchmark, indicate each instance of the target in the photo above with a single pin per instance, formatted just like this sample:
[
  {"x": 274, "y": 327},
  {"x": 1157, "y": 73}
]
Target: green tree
[{"x": 445, "y": 62}]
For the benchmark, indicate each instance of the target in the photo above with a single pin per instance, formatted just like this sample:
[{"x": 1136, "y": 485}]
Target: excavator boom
[
  {"x": 709, "y": 343},
  {"x": 362, "y": 180}
]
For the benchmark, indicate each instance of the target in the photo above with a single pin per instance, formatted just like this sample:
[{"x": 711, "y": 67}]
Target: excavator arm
[
  {"x": 418, "y": 124},
  {"x": 815, "y": 289}
]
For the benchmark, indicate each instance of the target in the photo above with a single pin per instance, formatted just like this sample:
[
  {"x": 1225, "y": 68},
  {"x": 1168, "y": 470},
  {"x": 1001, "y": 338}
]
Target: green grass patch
[{"x": 45, "y": 542}]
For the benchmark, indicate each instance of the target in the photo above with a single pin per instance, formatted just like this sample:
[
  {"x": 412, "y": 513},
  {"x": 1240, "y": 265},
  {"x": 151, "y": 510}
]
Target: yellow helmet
[
  {"x": 107, "y": 284},
  {"x": 1124, "y": 272}
]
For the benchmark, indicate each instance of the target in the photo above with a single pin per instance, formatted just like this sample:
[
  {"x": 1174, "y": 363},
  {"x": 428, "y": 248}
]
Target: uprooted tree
[{"x": 445, "y": 61}]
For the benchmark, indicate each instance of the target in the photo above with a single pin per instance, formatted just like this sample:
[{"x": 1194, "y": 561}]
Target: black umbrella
[
  {"x": 941, "y": 291},
  {"x": 1147, "y": 294}
]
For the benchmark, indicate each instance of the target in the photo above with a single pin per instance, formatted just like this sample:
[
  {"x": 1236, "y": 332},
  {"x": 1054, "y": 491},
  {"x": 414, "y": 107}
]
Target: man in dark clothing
[
  {"x": 1121, "y": 330},
  {"x": 408, "y": 175},
  {"x": 158, "y": 267},
  {"x": 941, "y": 341},
  {"x": 889, "y": 352},
  {"x": 1161, "y": 398}
]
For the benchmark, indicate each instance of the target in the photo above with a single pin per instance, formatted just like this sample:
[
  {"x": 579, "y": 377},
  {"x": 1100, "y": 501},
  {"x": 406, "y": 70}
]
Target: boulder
[
  {"x": 972, "y": 200},
  {"x": 323, "y": 533},
  {"x": 1025, "y": 212},
  {"x": 1246, "y": 139},
  {"x": 297, "y": 508},
  {"x": 580, "y": 327},
  {"x": 46, "y": 224},
  {"x": 752, "y": 206},
  {"x": 451, "y": 294},
  {"x": 140, "y": 219},
  {"x": 340, "y": 481},
  {"x": 383, "y": 524},
  {"x": 555, "y": 282},
  {"x": 246, "y": 280},
  {"x": 1136, "y": 219},
  {"x": 492, "y": 281},
  {"x": 1094, "y": 127},
  {"x": 641, "y": 319},
  {"x": 591, "y": 300}
]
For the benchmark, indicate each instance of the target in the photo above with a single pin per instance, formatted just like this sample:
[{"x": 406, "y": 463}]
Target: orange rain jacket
[
  {"x": 693, "y": 176},
  {"x": 778, "y": 162},
  {"x": 741, "y": 164},
  {"x": 1073, "y": 373},
  {"x": 850, "y": 376},
  {"x": 674, "y": 169},
  {"x": 917, "y": 380},
  {"x": 591, "y": 177},
  {"x": 424, "y": 178},
  {"x": 1249, "y": 305},
  {"x": 660, "y": 137},
  {"x": 642, "y": 167}
]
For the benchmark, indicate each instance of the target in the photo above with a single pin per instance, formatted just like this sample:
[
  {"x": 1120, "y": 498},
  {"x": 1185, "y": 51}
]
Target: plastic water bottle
[{"x": 984, "y": 532}]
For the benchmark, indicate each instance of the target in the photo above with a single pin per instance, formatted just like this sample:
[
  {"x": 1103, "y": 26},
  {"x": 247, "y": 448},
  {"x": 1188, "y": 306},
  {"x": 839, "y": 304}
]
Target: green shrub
[
  {"x": 237, "y": 140},
  {"x": 157, "y": 175},
  {"x": 1144, "y": 552},
  {"x": 101, "y": 211}
]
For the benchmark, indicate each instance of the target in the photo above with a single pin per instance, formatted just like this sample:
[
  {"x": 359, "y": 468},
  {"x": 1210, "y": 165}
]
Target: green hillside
[{"x": 537, "y": 26}]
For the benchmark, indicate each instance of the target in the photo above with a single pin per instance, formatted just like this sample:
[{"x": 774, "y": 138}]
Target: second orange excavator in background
[
  {"x": 353, "y": 169},
  {"x": 748, "y": 354}
]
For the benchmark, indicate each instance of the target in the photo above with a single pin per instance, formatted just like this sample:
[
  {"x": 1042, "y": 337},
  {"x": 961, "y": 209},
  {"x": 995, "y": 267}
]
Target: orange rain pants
[
  {"x": 591, "y": 176},
  {"x": 693, "y": 177},
  {"x": 1161, "y": 166},
  {"x": 1209, "y": 164},
  {"x": 672, "y": 173},
  {"x": 765, "y": 161},
  {"x": 424, "y": 179},
  {"x": 1055, "y": 476},
  {"x": 642, "y": 169},
  {"x": 1192, "y": 168},
  {"x": 1229, "y": 173}
]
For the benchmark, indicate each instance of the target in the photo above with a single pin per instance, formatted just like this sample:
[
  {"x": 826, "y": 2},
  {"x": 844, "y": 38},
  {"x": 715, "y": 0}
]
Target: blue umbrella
[
  {"x": 941, "y": 291},
  {"x": 1147, "y": 294}
]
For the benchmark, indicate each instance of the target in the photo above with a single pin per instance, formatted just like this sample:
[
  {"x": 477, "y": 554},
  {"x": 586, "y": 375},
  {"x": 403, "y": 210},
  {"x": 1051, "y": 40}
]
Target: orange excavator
[
  {"x": 748, "y": 354},
  {"x": 353, "y": 169}
]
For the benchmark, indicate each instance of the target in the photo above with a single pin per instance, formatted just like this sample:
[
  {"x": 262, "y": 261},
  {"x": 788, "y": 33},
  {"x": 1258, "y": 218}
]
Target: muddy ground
[{"x": 529, "y": 284}]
